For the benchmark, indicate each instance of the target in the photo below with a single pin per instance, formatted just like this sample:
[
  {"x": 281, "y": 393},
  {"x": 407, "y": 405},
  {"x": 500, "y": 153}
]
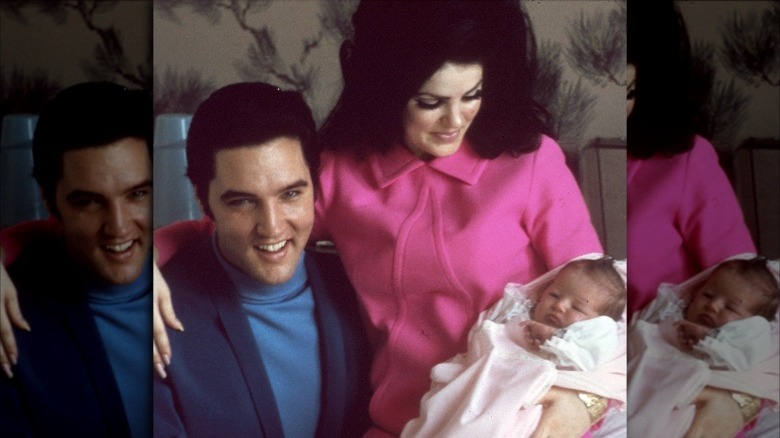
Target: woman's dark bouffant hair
[
  {"x": 399, "y": 45},
  {"x": 662, "y": 121}
]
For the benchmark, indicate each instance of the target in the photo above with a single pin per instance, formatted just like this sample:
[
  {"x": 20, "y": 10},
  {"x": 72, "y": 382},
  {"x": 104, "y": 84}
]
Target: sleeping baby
[{"x": 552, "y": 332}]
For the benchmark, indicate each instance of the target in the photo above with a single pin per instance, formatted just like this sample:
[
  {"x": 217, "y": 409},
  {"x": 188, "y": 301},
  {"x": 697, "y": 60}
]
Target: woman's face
[
  {"x": 437, "y": 117},
  {"x": 630, "y": 88}
]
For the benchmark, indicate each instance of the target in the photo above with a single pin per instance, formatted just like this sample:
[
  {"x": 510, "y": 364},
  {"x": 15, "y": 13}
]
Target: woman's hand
[
  {"x": 717, "y": 415},
  {"x": 563, "y": 415},
  {"x": 9, "y": 313},
  {"x": 162, "y": 313}
]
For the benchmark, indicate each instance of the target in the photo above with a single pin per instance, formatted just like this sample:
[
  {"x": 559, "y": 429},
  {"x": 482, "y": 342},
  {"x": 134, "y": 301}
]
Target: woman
[
  {"x": 441, "y": 175},
  {"x": 683, "y": 216},
  {"x": 438, "y": 188}
]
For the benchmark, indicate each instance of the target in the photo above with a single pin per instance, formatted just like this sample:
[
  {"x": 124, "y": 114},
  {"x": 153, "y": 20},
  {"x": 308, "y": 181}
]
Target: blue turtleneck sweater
[
  {"x": 283, "y": 323},
  {"x": 123, "y": 317}
]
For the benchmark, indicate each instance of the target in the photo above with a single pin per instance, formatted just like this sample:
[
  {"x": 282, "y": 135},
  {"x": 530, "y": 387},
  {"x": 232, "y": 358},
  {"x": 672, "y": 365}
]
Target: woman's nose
[{"x": 454, "y": 116}]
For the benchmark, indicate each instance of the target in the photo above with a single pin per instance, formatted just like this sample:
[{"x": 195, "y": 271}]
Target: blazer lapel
[
  {"x": 78, "y": 320},
  {"x": 332, "y": 355},
  {"x": 239, "y": 335}
]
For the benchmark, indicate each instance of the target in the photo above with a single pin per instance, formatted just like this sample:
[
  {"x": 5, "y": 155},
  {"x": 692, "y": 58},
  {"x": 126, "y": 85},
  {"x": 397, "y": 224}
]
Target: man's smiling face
[
  {"x": 104, "y": 200},
  {"x": 262, "y": 202}
]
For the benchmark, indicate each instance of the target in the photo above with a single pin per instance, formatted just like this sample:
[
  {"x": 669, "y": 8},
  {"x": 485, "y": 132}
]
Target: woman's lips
[{"x": 446, "y": 137}]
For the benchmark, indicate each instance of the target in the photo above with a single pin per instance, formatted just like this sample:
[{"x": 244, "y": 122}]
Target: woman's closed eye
[
  {"x": 428, "y": 103},
  {"x": 474, "y": 95}
]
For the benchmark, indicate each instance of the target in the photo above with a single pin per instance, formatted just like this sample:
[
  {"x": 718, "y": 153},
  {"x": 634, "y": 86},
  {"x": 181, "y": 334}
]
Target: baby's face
[
  {"x": 571, "y": 297},
  {"x": 723, "y": 298}
]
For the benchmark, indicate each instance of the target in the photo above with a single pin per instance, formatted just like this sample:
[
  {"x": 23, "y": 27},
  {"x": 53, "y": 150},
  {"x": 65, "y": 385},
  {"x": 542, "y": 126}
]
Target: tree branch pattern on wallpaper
[
  {"x": 180, "y": 92},
  {"x": 26, "y": 92},
  {"x": 750, "y": 46},
  {"x": 109, "y": 61},
  {"x": 722, "y": 104},
  {"x": 597, "y": 45},
  {"x": 262, "y": 61},
  {"x": 570, "y": 104}
]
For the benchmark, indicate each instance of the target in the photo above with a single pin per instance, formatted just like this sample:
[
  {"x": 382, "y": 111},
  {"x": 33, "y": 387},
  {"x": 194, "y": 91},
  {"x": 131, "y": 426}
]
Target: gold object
[
  {"x": 596, "y": 406},
  {"x": 748, "y": 405}
]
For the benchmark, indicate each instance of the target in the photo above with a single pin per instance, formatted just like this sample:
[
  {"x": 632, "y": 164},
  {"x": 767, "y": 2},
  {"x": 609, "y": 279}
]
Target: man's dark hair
[
  {"x": 246, "y": 114},
  {"x": 90, "y": 114}
]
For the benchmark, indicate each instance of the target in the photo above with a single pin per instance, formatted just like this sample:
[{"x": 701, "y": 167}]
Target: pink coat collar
[{"x": 464, "y": 165}]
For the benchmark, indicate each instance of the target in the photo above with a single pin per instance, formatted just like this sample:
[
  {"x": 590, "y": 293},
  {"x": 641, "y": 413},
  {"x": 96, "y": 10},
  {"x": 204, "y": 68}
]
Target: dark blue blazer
[
  {"x": 63, "y": 384},
  {"x": 217, "y": 385}
]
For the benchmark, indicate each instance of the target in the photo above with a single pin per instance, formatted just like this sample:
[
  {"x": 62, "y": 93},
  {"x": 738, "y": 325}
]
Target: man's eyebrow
[
  {"x": 79, "y": 194},
  {"x": 296, "y": 185},
  {"x": 141, "y": 185},
  {"x": 230, "y": 194},
  {"x": 424, "y": 93},
  {"x": 76, "y": 194}
]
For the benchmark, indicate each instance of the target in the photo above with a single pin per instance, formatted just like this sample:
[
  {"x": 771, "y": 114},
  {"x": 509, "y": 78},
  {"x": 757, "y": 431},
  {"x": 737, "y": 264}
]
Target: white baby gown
[
  {"x": 741, "y": 356},
  {"x": 493, "y": 388}
]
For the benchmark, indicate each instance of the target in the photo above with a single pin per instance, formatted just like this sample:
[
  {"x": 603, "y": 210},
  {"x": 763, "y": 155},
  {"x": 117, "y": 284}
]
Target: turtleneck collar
[
  {"x": 253, "y": 291},
  {"x": 101, "y": 292}
]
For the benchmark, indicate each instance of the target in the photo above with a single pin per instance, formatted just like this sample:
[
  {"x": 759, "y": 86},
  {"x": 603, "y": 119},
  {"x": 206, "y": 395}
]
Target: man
[
  {"x": 273, "y": 343},
  {"x": 84, "y": 368}
]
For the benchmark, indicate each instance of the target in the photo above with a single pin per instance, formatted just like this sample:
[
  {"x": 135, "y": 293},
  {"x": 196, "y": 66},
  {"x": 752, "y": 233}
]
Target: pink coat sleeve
[
  {"x": 710, "y": 217},
  {"x": 16, "y": 237},
  {"x": 168, "y": 239},
  {"x": 556, "y": 218}
]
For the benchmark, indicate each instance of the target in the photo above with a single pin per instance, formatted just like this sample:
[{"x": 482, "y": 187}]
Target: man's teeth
[
  {"x": 120, "y": 247},
  {"x": 272, "y": 248}
]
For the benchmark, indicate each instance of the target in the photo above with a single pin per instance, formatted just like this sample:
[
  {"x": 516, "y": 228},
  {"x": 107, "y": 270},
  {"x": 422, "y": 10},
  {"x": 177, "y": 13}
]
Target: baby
[
  {"x": 542, "y": 334},
  {"x": 727, "y": 319},
  {"x": 712, "y": 330},
  {"x": 575, "y": 319}
]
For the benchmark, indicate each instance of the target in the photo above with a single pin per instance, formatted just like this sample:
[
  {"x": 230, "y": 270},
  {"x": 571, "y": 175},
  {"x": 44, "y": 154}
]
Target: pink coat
[
  {"x": 683, "y": 217},
  {"x": 429, "y": 245}
]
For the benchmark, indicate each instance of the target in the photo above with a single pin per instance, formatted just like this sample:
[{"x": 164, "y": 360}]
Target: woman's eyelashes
[{"x": 430, "y": 103}]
